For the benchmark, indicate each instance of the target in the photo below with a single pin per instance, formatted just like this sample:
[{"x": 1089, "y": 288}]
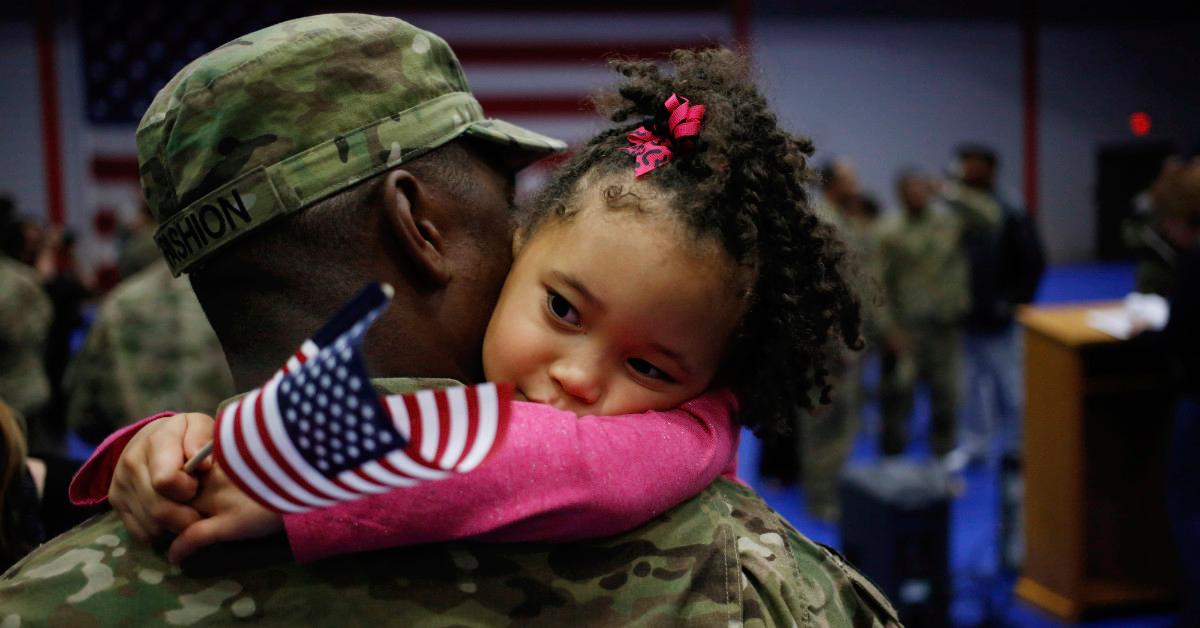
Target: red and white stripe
[
  {"x": 449, "y": 431},
  {"x": 302, "y": 355}
]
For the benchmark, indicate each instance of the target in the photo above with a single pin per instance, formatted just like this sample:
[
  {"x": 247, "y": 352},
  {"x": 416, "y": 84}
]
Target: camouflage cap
[{"x": 281, "y": 118}]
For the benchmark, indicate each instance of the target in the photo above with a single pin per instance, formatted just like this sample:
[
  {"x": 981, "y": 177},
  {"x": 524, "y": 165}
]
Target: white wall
[
  {"x": 1092, "y": 79},
  {"x": 888, "y": 94}
]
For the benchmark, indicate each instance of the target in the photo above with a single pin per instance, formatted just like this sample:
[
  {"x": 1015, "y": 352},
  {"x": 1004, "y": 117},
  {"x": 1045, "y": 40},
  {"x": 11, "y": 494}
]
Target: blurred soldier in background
[
  {"x": 922, "y": 269},
  {"x": 828, "y": 435},
  {"x": 25, "y": 314},
  {"x": 69, "y": 295},
  {"x": 1006, "y": 264},
  {"x": 1142, "y": 233},
  {"x": 823, "y": 440},
  {"x": 151, "y": 348},
  {"x": 867, "y": 208},
  {"x": 138, "y": 249},
  {"x": 1163, "y": 238}
]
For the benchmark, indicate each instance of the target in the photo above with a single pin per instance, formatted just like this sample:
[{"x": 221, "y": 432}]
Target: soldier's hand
[
  {"x": 230, "y": 515},
  {"x": 149, "y": 490}
]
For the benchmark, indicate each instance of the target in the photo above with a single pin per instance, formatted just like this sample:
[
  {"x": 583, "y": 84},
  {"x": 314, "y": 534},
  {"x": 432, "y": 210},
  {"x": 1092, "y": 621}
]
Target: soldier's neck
[
  {"x": 406, "y": 341},
  {"x": 253, "y": 365}
]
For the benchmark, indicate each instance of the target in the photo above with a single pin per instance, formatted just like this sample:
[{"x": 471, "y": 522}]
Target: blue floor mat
[{"x": 1086, "y": 282}]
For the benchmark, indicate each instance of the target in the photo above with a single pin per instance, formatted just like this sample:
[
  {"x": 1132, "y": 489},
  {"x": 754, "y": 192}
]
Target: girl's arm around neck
[{"x": 556, "y": 477}]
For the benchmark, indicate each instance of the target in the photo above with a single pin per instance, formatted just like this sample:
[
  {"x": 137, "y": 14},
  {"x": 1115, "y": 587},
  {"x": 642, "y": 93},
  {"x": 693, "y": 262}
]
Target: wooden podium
[{"x": 1097, "y": 419}]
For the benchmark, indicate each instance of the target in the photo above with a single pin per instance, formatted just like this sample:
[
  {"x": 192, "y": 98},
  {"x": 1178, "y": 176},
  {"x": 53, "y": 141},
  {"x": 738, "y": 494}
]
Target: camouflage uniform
[
  {"x": 723, "y": 559},
  {"x": 282, "y": 118},
  {"x": 358, "y": 95},
  {"x": 151, "y": 348},
  {"x": 25, "y": 314},
  {"x": 923, "y": 271}
]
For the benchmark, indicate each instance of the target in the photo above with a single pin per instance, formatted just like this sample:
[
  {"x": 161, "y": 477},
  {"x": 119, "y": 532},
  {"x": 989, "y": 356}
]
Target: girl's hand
[
  {"x": 149, "y": 489},
  {"x": 230, "y": 515}
]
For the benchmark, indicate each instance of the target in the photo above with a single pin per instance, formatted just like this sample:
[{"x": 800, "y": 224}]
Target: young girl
[{"x": 674, "y": 254}]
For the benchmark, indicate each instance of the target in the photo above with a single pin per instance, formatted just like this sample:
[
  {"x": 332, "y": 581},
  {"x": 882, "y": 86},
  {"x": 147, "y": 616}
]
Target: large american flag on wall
[
  {"x": 534, "y": 63},
  {"x": 128, "y": 51}
]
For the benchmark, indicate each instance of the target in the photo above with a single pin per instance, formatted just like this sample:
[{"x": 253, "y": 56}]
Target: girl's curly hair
[{"x": 744, "y": 183}]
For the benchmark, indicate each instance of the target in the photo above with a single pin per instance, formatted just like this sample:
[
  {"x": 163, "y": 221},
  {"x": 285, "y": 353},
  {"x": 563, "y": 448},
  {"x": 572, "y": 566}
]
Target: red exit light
[{"x": 1139, "y": 123}]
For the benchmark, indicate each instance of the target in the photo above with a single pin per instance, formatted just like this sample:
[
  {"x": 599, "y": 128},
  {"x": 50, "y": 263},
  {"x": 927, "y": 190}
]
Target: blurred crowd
[
  {"x": 81, "y": 357},
  {"x": 942, "y": 275}
]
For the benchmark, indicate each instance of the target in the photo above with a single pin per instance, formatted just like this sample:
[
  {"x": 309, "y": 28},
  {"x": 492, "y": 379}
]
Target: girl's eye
[
  {"x": 649, "y": 370},
  {"x": 562, "y": 309}
]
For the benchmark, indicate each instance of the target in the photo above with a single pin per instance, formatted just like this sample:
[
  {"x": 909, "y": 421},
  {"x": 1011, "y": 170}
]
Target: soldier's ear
[{"x": 411, "y": 216}]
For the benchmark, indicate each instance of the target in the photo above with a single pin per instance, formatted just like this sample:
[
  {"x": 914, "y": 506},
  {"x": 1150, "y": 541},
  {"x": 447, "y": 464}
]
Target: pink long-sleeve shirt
[{"x": 556, "y": 477}]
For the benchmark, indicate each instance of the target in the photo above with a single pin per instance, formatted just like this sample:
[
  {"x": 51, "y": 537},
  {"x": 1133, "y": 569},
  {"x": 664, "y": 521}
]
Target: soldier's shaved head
[{"x": 271, "y": 289}]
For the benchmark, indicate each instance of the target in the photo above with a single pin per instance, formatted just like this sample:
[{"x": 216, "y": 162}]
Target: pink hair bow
[{"x": 652, "y": 149}]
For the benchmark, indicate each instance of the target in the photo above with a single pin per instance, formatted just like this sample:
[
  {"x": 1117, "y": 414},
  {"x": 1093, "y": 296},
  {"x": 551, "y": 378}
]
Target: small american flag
[{"x": 317, "y": 433}]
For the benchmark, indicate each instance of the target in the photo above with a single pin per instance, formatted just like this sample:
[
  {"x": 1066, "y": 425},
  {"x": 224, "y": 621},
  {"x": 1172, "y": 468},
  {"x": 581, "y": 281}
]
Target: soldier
[
  {"x": 25, "y": 315},
  {"x": 138, "y": 249},
  {"x": 1006, "y": 261},
  {"x": 375, "y": 162},
  {"x": 1177, "y": 201},
  {"x": 827, "y": 434},
  {"x": 150, "y": 348},
  {"x": 923, "y": 272},
  {"x": 1156, "y": 235}
]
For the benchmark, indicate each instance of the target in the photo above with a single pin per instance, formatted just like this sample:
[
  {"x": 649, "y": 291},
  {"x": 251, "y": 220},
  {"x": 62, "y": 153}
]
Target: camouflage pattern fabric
[
  {"x": 980, "y": 210},
  {"x": 923, "y": 269},
  {"x": 922, "y": 266},
  {"x": 279, "y": 119},
  {"x": 25, "y": 315},
  {"x": 723, "y": 558},
  {"x": 137, "y": 252},
  {"x": 150, "y": 348},
  {"x": 862, "y": 245},
  {"x": 827, "y": 436},
  {"x": 933, "y": 355}
]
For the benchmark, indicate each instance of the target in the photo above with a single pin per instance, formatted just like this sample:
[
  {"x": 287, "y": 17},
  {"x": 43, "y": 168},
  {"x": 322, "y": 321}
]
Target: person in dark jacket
[
  {"x": 1006, "y": 263},
  {"x": 1177, "y": 198}
]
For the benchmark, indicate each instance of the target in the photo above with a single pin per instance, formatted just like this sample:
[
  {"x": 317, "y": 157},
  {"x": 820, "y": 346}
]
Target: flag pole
[{"x": 190, "y": 466}]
